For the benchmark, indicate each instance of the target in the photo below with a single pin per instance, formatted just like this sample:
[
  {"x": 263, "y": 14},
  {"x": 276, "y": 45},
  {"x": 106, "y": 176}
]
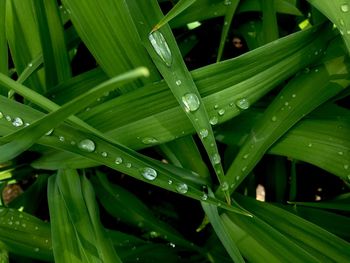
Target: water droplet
[
  {"x": 227, "y": 2},
  {"x": 316, "y": 53},
  {"x": 191, "y": 102},
  {"x": 8, "y": 118},
  {"x": 346, "y": 166},
  {"x": 316, "y": 70},
  {"x": 203, "y": 133},
  {"x": 172, "y": 245},
  {"x": 170, "y": 182},
  {"x": 128, "y": 165},
  {"x": 340, "y": 153},
  {"x": 161, "y": 47},
  {"x": 30, "y": 65},
  {"x": 237, "y": 178},
  {"x": 309, "y": 145},
  {"x": 49, "y": 132},
  {"x": 221, "y": 112},
  {"x": 61, "y": 138},
  {"x": 341, "y": 22},
  {"x": 213, "y": 120},
  {"x": 244, "y": 168},
  {"x": 24, "y": 225},
  {"x": 231, "y": 104},
  {"x": 182, "y": 188},
  {"x": 224, "y": 186},
  {"x": 243, "y": 104},
  {"x": 118, "y": 160},
  {"x": 344, "y": 8},
  {"x": 149, "y": 140},
  {"x": 1, "y": 115},
  {"x": 246, "y": 156},
  {"x": 178, "y": 82},
  {"x": 294, "y": 95},
  {"x": 104, "y": 154},
  {"x": 17, "y": 122},
  {"x": 149, "y": 173},
  {"x": 26, "y": 124},
  {"x": 73, "y": 143},
  {"x": 216, "y": 106},
  {"x": 216, "y": 158},
  {"x": 87, "y": 145},
  {"x": 274, "y": 118},
  {"x": 286, "y": 103},
  {"x": 36, "y": 249},
  {"x": 204, "y": 197}
]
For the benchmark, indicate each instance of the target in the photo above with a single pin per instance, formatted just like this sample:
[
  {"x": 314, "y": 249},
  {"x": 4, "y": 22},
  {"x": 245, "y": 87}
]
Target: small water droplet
[
  {"x": 24, "y": 225},
  {"x": 1, "y": 115},
  {"x": 30, "y": 65},
  {"x": 309, "y": 145},
  {"x": 340, "y": 153},
  {"x": 182, "y": 188},
  {"x": 104, "y": 154},
  {"x": 26, "y": 124},
  {"x": 216, "y": 106},
  {"x": 172, "y": 245},
  {"x": 149, "y": 140},
  {"x": 344, "y": 8},
  {"x": 203, "y": 133},
  {"x": 36, "y": 249},
  {"x": 178, "y": 82},
  {"x": 87, "y": 145},
  {"x": 237, "y": 178},
  {"x": 216, "y": 158},
  {"x": 213, "y": 120},
  {"x": 346, "y": 166},
  {"x": 17, "y": 122},
  {"x": 246, "y": 156},
  {"x": 286, "y": 103},
  {"x": 204, "y": 197},
  {"x": 149, "y": 173},
  {"x": 341, "y": 22},
  {"x": 128, "y": 165},
  {"x": 161, "y": 47},
  {"x": 49, "y": 132},
  {"x": 170, "y": 182},
  {"x": 294, "y": 95},
  {"x": 316, "y": 70},
  {"x": 221, "y": 112},
  {"x": 227, "y": 2},
  {"x": 274, "y": 118},
  {"x": 73, "y": 143},
  {"x": 244, "y": 168},
  {"x": 61, "y": 138},
  {"x": 8, "y": 118},
  {"x": 231, "y": 104},
  {"x": 243, "y": 104},
  {"x": 224, "y": 186},
  {"x": 191, "y": 102},
  {"x": 118, "y": 160}
]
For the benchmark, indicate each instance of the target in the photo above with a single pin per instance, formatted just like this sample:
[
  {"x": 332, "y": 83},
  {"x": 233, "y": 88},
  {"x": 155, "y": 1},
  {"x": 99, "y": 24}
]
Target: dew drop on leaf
[
  {"x": 204, "y": 197},
  {"x": 149, "y": 140},
  {"x": 128, "y": 165},
  {"x": 118, "y": 160},
  {"x": 182, "y": 188},
  {"x": 344, "y": 8},
  {"x": 203, "y": 133},
  {"x": 243, "y": 104},
  {"x": 61, "y": 138},
  {"x": 1, "y": 115},
  {"x": 221, "y": 112},
  {"x": 224, "y": 186},
  {"x": 104, "y": 154},
  {"x": 8, "y": 118},
  {"x": 178, "y": 82},
  {"x": 149, "y": 173},
  {"x": 161, "y": 47},
  {"x": 87, "y": 145},
  {"x": 49, "y": 132},
  {"x": 191, "y": 102},
  {"x": 216, "y": 158},
  {"x": 17, "y": 122},
  {"x": 274, "y": 118},
  {"x": 213, "y": 120}
]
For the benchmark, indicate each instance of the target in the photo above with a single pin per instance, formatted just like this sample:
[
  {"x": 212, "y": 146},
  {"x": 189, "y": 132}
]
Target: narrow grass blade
[
  {"x": 338, "y": 12},
  {"x": 77, "y": 233},
  {"x": 295, "y": 101},
  {"x": 56, "y": 60},
  {"x": 35, "y": 64},
  {"x": 319, "y": 242},
  {"x": 222, "y": 232},
  {"x": 17, "y": 142},
  {"x": 23, "y": 40},
  {"x": 25, "y": 235},
  {"x": 3, "y": 44},
  {"x": 269, "y": 21},
  {"x": 177, "y": 9},
  {"x": 231, "y": 9}
]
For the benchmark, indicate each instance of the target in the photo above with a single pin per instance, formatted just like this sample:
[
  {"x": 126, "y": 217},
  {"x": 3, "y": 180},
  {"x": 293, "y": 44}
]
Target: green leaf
[
  {"x": 4, "y": 67},
  {"x": 77, "y": 233}
]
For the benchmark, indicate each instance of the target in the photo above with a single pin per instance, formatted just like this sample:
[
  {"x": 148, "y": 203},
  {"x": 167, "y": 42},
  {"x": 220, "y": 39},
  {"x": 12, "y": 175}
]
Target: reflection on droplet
[
  {"x": 170, "y": 182},
  {"x": 191, "y": 102},
  {"x": 17, "y": 122},
  {"x": 118, "y": 160},
  {"x": 243, "y": 104},
  {"x": 149, "y": 173},
  {"x": 182, "y": 188},
  {"x": 161, "y": 47},
  {"x": 87, "y": 145}
]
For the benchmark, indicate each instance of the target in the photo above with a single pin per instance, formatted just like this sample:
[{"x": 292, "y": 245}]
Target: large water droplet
[
  {"x": 203, "y": 133},
  {"x": 161, "y": 47},
  {"x": 87, "y": 145},
  {"x": 149, "y": 140},
  {"x": 17, "y": 122},
  {"x": 118, "y": 160},
  {"x": 216, "y": 158},
  {"x": 182, "y": 188},
  {"x": 344, "y": 8},
  {"x": 191, "y": 102},
  {"x": 149, "y": 173},
  {"x": 213, "y": 120},
  {"x": 243, "y": 104}
]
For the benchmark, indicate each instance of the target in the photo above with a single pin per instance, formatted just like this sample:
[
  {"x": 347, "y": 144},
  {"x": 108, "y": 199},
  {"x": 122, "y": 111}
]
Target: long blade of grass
[
  {"x": 56, "y": 60},
  {"x": 338, "y": 12},
  {"x": 295, "y": 101},
  {"x": 3, "y": 44},
  {"x": 77, "y": 233},
  {"x": 177, "y": 9},
  {"x": 25, "y": 234},
  {"x": 269, "y": 20}
]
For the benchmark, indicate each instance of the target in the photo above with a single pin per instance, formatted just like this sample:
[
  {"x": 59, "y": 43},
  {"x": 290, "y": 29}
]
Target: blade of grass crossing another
[{"x": 163, "y": 49}]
